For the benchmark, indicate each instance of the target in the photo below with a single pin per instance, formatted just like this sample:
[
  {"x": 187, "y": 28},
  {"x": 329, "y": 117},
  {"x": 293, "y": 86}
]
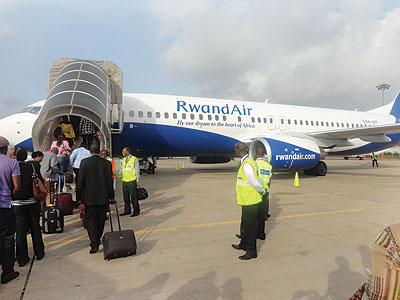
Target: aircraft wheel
[{"x": 320, "y": 169}]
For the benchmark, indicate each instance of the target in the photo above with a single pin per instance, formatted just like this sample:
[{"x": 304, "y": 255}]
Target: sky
[{"x": 330, "y": 53}]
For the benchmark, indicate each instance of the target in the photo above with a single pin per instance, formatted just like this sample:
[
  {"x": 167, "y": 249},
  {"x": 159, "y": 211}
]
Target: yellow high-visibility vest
[
  {"x": 128, "y": 169},
  {"x": 265, "y": 173},
  {"x": 245, "y": 193}
]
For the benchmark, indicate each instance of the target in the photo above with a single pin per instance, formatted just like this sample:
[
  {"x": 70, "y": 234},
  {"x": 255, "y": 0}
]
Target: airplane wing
[{"x": 332, "y": 138}]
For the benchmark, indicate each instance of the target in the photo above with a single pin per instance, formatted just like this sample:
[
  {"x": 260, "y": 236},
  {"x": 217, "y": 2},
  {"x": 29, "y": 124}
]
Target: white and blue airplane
[{"x": 206, "y": 130}]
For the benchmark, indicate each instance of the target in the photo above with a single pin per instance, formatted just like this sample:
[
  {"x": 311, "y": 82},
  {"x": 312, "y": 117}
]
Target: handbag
[
  {"x": 142, "y": 193},
  {"x": 39, "y": 190}
]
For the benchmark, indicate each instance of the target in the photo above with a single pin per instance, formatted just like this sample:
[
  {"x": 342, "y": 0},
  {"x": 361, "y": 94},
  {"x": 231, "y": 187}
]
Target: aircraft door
[
  {"x": 282, "y": 123},
  {"x": 271, "y": 122}
]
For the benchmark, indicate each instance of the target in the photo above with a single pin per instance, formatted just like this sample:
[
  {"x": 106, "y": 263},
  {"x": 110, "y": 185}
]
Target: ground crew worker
[
  {"x": 374, "y": 160},
  {"x": 248, "y": 195},
  {"x": 104, "y": 154},
  {"x": 265, "y": 174},
  {"x": 130, "y": 180}
]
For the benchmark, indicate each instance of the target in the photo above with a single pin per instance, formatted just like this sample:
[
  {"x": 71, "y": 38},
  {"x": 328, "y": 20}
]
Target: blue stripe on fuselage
[{"x": 163, "y": 140}]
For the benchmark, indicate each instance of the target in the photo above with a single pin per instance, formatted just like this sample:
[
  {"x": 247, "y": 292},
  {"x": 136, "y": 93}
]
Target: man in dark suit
[{"x": 95, "y": 191}]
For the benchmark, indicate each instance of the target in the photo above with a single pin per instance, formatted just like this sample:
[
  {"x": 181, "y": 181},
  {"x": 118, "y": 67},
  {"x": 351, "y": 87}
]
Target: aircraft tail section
[{"x": 393, "y": 108}]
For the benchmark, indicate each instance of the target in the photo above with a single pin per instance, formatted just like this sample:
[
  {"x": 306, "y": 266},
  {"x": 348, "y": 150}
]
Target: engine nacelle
[
  {"x": 209, "y": 159},
  {"x": 286, "y": 152}
]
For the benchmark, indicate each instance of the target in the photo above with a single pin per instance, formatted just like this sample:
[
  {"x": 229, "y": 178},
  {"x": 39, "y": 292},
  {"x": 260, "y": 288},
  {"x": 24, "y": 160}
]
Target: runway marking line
[{"x": 234, "y": 222}]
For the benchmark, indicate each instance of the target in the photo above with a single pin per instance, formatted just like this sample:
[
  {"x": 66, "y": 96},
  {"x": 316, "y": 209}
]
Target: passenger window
[
  {"x": 322, "y": 123},
  {"x": 209, "y": 117},
  {"x": 271, "y": 120},
  {"x": 200, "y": 117},
  {"x": 356, "y": 125},
  {"x": 306, "y": 122},
  {"x": 252, "y": 119},
  {"x": 352, "y": 125},
  {"x": 259, "y": 120},
  {"x": 327, "y": 124},
  {"x": 158, "y": 115},
  {"x": 216, "y": 118},
  {"x": 239, "y": 119},
  {"x": 342, "y": 125},
  {"x": 301, "y": 122},
  {"x": 332, "y": 124},
  {"x": 166, "y": 115},
  {"x": 295, "y": 122},
  {"x": 224, "y": 118},
  {"x": 288, "y": 121},
  {"x": 265, "y": 120},
  {"x": 175, "y": 115},
  {"x": 140, "y": 114},
  {"x": 149, "y": 114},
  {"x": 312, "y": 123},
  {"x": 131, "y": 113},
  {"x": 192, "y": 116},
  {"x": 282, "y": 121},
  {"x": 184, "y": 116},
  {"x": 337, "y": 124},
  {"x": 316, "y": 123},
  {"x": 347, "y": 125}
]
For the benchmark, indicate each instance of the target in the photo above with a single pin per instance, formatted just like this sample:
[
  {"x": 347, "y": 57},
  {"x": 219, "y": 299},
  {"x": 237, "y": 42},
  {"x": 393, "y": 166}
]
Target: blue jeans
[
  {"x": 7, "y": 242},
  {"x": 63, "y": 164}
]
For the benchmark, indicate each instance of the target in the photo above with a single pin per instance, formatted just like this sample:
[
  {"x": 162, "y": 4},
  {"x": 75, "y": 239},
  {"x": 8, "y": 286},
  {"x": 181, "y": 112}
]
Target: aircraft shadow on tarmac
[{"x": 336, "y": 279}]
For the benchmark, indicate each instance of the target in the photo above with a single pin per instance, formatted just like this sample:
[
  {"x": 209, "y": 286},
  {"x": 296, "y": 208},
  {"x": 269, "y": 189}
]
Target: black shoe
[
  {"x": 125, "y": 213},
  {"x": 40, "y": 257},
  {"x": 238, "y": 247},
  {"x": 9, "y": 277},
  {"x": 261, "y": 237},
  {"x": 247, "y": 257},
  {"x": 267, "y": 217},
  {"x": 93, "y": 250},
  {"x": 135, "y": 214},
  {"x": 238, "y": 236},
  {"x": 107, "y": 217},
  {"x": 24, "y": 262}
]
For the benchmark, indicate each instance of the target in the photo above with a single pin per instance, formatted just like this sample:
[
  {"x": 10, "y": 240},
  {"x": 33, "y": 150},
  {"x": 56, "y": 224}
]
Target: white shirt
[{"x": 249, "y": 172}]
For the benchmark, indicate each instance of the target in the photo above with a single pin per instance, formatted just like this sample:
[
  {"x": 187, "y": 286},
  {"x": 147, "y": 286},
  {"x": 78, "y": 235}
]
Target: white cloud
[
  {"x": 312, "y": 52},
  {"x": 5, "y": 6}
]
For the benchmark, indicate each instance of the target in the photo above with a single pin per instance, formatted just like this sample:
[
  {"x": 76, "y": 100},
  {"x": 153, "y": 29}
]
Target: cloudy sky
[{"x": 329, "y": 53}]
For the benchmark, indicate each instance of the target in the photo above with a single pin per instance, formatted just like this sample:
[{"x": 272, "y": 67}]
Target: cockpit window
[
  {"x": 32, "y": 109},
  {"x": 35, "y": 109}
]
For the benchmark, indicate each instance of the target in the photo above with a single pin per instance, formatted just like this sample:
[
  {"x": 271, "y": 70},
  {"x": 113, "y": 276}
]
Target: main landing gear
[{"x": 319, "y": 170}]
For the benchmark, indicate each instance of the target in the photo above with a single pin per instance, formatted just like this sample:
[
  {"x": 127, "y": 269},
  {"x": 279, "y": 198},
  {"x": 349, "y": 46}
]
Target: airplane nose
[{"x": 5, "y": 130}]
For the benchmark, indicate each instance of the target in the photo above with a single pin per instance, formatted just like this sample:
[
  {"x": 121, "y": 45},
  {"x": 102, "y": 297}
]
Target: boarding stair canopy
[{"x": 82, "y": 88}]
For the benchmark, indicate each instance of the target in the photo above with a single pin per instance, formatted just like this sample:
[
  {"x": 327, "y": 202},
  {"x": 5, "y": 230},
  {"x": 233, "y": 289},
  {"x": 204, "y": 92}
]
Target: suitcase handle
[{"x": 119, "y": 222}]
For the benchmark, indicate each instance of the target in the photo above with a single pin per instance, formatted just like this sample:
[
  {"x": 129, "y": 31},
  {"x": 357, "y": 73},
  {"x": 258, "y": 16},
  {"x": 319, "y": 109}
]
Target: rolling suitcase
[
  {"x": 64, "y": 201},
  {"x": 120, "y": 243},
  {"x": 52, "y": 219}
]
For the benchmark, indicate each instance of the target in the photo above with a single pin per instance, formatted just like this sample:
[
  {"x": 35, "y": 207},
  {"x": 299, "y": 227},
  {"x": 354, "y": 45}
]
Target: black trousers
[
  {"x": 7, "y": 248},
  {"x": 375, "y": 161},
  {"x": 249, "y": 228},
  {"x": 28, "y": 217},
  {"x": 95, "y": 217},
  {"x": 262, "y": 212},
  {"x": 265, "y": 202},
  {"x": 129, "y": 190}
]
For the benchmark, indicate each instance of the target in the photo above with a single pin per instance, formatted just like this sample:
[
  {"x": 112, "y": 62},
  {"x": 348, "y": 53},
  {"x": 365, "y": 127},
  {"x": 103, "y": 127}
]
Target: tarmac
[{"x": 318, "y": 242}]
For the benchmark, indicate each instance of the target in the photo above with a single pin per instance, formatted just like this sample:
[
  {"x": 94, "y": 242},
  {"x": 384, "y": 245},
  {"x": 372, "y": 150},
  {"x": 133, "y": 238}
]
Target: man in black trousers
[{"x": 95, "y": 190}]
